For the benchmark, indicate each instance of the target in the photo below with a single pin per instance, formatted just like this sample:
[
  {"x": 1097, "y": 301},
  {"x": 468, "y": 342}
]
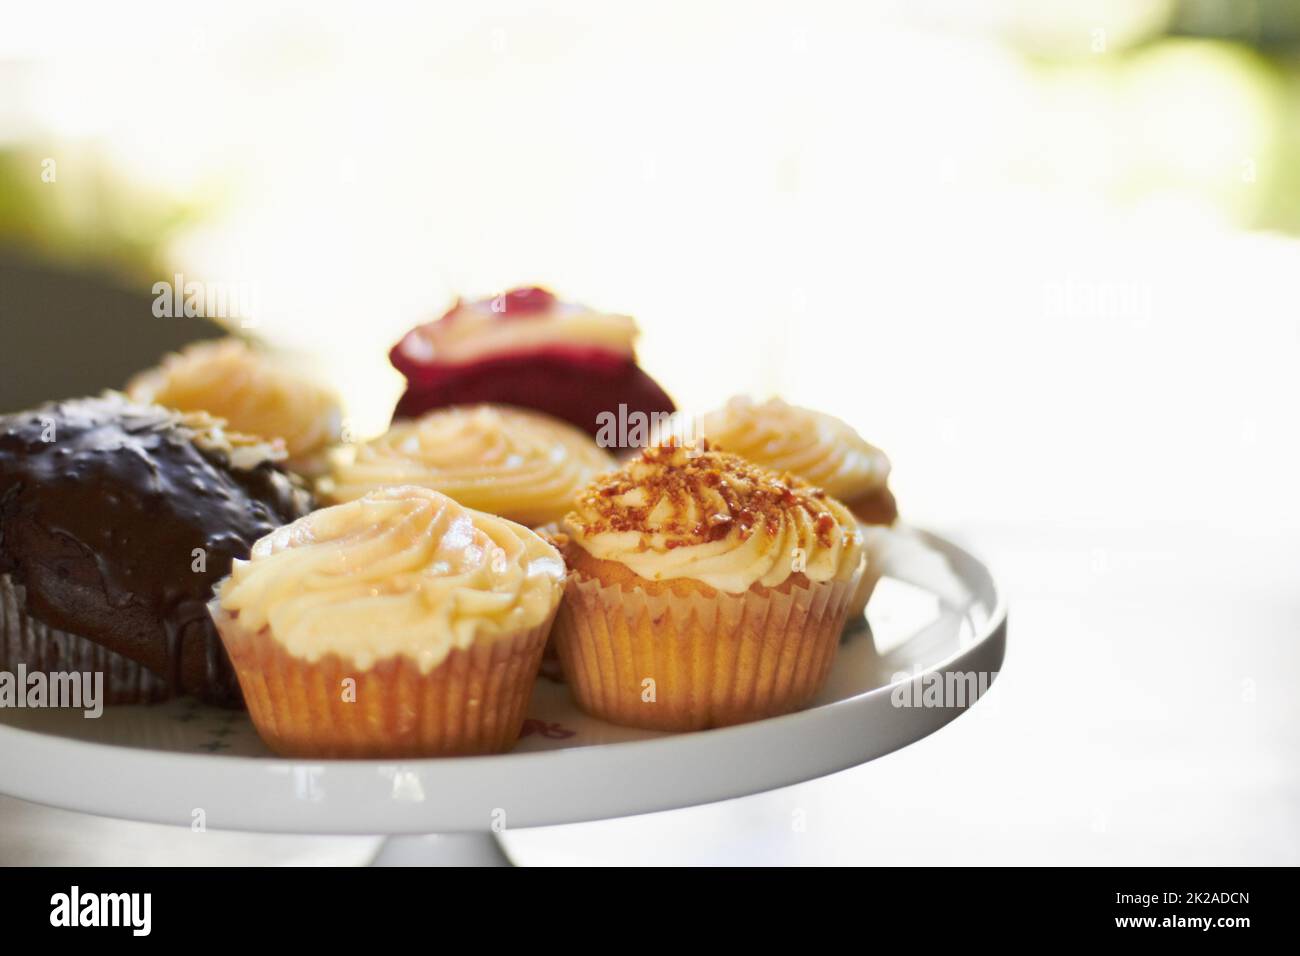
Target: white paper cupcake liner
[
  {"x": 689, "y": 661},
  {"x": 474, "y": 702},
  {"x": 25, "y": 640}
]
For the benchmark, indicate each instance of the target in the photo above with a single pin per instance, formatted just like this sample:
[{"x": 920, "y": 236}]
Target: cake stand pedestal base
[{"x": 452, "y": 849}]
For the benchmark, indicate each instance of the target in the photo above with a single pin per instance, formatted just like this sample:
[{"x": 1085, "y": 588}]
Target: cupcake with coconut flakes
[{"x": 704, "y": 590}]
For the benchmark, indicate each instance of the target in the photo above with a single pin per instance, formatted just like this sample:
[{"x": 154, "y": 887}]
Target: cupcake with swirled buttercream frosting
[
  {"x": 256, "y": 392},
  {"x": 819, "y": 448},
  {"x": 506, "y": 461},
  {"x": 401, "y": 624},
  {"x": 822, "y": 450},
  {"x": 704, "y": 590}
]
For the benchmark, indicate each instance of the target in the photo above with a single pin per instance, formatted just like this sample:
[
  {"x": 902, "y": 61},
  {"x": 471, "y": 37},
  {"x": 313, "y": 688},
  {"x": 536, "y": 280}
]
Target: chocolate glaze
[{"x": 100, "y": 526}]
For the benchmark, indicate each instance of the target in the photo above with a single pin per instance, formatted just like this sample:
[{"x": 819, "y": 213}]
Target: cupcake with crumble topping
[
  {"x": 401, "y": 624},
  {"x": 511, "y": 462},
  {"x": 704, "y": 590},
  {"x": 824, "y": 451}
]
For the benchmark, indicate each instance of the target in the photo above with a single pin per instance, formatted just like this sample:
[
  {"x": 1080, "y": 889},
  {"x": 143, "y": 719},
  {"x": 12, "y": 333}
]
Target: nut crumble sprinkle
[{"x": 709, "y": 494}]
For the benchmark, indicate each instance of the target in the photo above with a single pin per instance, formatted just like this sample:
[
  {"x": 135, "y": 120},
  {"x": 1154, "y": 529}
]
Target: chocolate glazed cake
[{"x": 116, "y": 520}]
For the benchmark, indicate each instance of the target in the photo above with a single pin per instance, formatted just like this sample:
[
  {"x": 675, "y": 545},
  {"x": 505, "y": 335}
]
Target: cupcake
[
  {"x": 401, "y": 624},
  {"x": 820, "y": 449},
  {"x": 704, "y": 590},
  {"x": 254, "y": 392},
  {"x": 506, "y": 461},
  {"x": 527, "y": 348},
  {"x": 115, "y": 521}
]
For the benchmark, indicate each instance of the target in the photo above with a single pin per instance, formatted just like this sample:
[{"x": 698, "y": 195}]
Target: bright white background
[{"x": 1029, "y": 280}]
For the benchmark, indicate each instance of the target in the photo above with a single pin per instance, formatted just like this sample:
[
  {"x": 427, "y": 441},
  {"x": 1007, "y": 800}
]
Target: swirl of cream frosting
[
  {"x": 402, "y": 571},
  {"x": 253, "y": 392},
  {"x": 696, "y": 513},
  {"x": 521, "y": 465},
  {"x": 819, "y": 448},
  {"x": 474, "y": 330}
]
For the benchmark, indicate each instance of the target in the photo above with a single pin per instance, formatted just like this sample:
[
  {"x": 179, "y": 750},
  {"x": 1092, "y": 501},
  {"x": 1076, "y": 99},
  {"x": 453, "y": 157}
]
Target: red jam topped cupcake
[{"x": 527, "y": 348}]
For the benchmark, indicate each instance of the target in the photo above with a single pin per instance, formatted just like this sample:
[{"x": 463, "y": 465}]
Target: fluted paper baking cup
[
  {"x": 471, "y": 703},
  {"x": 676, "y": 661},
  {"x": 874, "y": 547},
  {"x": 40, "y": 648}
]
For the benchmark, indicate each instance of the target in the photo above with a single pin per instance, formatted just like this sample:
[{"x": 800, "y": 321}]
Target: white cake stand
[{"x": 938, "y": 611}]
